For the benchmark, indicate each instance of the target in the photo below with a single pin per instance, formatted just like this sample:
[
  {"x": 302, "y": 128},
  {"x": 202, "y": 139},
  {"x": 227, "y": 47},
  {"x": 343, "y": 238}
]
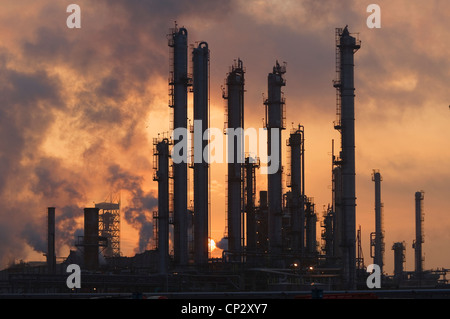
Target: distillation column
[
  {"x": 377, "y": 238},
  {"x": 162, "y": 176},
  {"x": 297, "y": 172},
  {"x": 235, "y": 156},
  {"x": 200, "y": 61},
  {"x": 347, "y": 45},
  {"x": 179, "y": 82},
  {"x": 275, "y": 122},
  {"x": 417, "y": 245}
]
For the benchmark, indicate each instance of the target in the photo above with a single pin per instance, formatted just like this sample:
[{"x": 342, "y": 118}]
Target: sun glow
[{"x": 211, "y": 244}]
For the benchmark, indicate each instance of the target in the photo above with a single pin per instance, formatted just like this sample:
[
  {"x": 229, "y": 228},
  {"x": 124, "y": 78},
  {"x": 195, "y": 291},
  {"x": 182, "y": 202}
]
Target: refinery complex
[{"x": 272, "y": 240}]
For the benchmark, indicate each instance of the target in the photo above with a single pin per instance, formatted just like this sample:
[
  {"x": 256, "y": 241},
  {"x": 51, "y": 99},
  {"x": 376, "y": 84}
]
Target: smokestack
[
  {"x": 235, "y": 157},
  {"x": 162, "y": 176},
  {"x": 275, "y": 108},
  {"x": 51, "y": 257},
  {"x": 179, "y": 83},
  {"x": 346, "y": 46},
  {"x": 377, "y": 238},
  {"x": 417, "y": 245},
  {"x": 201, "y": 167},
  {"x": 91, "y": 238}
]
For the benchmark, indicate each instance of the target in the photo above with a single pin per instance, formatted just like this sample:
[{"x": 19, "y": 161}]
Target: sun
[{"x": 211, "y": 244}]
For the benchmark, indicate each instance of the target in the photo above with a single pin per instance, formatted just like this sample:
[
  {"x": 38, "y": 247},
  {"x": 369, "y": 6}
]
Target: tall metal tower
[
  {"x": 275, "y": 120},
  {"x": 234, "y": 125},
  {"x": 346, "y": 46},
  {"x": 417, "y": 244},
  {"x": 200, "y": 59},
  {"x": 297, "y": 184},
  {"x": 161, "y": 151},
  {"x": 179, "y": 82},
  {"x": 377, "y": 237}
]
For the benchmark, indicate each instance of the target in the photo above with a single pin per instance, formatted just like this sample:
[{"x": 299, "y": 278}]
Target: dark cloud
[
  {"x": 222, "y": 244},
  {"x": 54, "y": 181}
]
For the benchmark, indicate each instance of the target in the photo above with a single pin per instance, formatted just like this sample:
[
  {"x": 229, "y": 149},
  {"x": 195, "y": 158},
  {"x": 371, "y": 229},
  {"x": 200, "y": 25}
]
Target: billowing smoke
[
  {"x": 139, "y": 210},
  {"x": 74, "y": 109},
  {"x": 222, "y": 244}
]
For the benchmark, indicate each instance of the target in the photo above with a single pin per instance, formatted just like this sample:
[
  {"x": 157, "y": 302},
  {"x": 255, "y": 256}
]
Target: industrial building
[{"x": 272, "y": 240}]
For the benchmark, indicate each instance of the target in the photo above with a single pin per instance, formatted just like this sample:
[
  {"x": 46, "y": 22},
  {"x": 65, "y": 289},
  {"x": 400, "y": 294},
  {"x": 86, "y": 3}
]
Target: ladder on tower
[{"x": 337, "y": 80}]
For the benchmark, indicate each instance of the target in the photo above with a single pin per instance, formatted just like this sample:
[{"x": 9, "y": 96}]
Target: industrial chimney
[
  {"x": 51, "y": 257},
  {"x": 91, "y": 238},
  {"x": 377, "y": 238},
  {"x": 417, "y": 244}
]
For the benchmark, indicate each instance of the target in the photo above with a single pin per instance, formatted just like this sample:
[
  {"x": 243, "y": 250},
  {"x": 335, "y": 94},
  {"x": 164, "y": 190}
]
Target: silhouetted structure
[
  {"x": 234, "y": 125},
  {"x": 179, "y": 82},
  {"x": 377, "y": 238},
  {"x": 51, "y": 255},
  {"x": 200, "y": 59},
  {"x": 417, "y": 244},
  {"x": 275, "y": 108},
  {"x": 346, "y": 46}
]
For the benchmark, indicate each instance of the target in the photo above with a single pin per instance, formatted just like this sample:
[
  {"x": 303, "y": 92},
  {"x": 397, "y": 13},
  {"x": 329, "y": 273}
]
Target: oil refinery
[{"x": 273, "y": 245}]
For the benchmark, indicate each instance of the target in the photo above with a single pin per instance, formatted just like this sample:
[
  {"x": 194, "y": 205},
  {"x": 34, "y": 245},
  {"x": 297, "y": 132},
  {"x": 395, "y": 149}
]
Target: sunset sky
[{"x": 79, "y": 109}]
